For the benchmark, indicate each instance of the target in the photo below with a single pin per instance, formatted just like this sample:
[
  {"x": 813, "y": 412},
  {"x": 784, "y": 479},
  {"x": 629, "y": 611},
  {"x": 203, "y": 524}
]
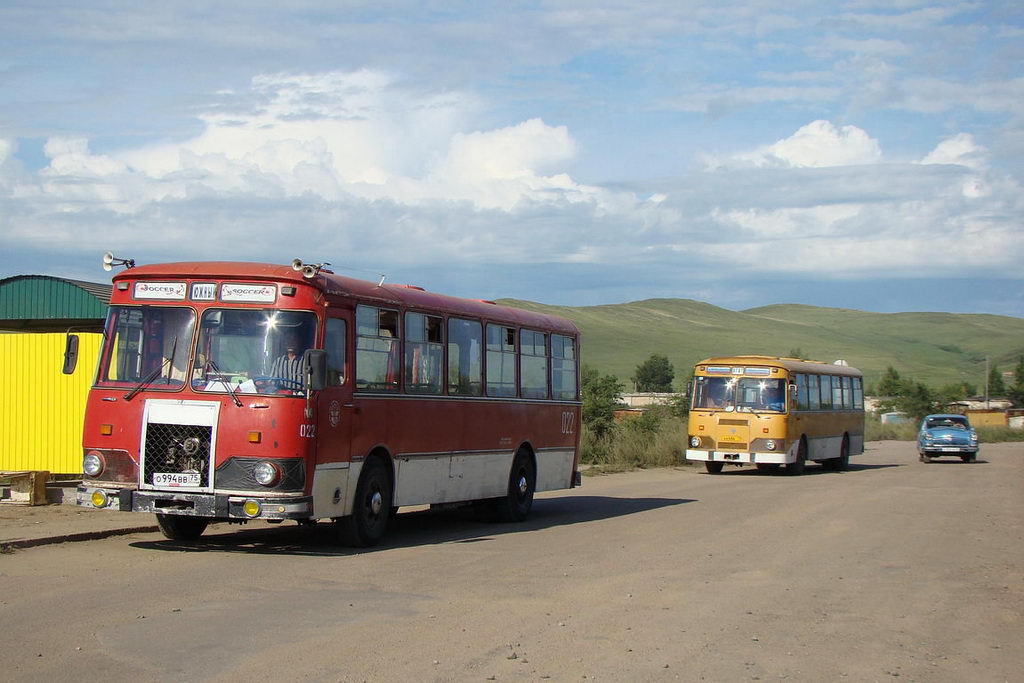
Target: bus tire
[
  {"x": 180, "y": 527},
  {"x": 843, "y": 461},
  {"x": 713, "y": 467},
  {"x": 371, "y": 508},
  {"x": 797, "y": 467},
  {"x": 522, "y": 482}
]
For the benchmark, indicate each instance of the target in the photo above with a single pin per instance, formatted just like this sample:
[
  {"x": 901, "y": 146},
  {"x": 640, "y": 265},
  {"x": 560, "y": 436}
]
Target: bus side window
[
  {"x": 563, "y": 368},
  {"x": 858, "y": 394},
  {"x": 847, "y": 394},
  {"x": 813, "y": 398},
  {"x": 376, "y": 349},
  {"x": 533, "y": 364},
  {"x": 423, "y": 353},
  {"x": 801, "y": 392},
  {"x": 826, "y": 391},
  {"x": 465, "y": 366},
  {"x": 501, "y": 361},
  {"x": 837, "y": 393},
  {"x": 334, "y": 344}
]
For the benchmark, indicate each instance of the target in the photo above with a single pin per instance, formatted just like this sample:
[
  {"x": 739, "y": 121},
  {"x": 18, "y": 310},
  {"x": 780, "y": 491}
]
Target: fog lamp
[
  {"x": 694, "y": 441},
  {"x": 251, "y": 508},
  {"x": 92, "y": 463},
  {"x": 99, "y": 499},
  {"x": 769, "y": 444}
]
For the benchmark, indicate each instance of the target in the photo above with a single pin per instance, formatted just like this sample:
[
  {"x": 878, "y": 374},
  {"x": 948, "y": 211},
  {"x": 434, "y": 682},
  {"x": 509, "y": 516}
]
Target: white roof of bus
[{"x": 791, "y": 364}]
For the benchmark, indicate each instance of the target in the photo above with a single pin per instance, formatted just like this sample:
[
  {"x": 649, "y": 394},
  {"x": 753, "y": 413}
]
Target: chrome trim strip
[
  {"x": 356, "y": 395},
  {"x": 333, "y": 466}
]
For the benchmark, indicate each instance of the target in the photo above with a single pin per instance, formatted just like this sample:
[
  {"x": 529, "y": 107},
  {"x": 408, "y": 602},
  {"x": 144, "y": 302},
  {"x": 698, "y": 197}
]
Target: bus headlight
[
  {"x": 266, "y": 473},
  {"x": 92, "y": 463},
  {"x": 769, "y": 444},
  {"x": 694, "y": 441}
]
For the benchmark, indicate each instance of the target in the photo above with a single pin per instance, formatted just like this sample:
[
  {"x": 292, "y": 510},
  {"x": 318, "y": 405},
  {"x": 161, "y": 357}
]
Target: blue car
[{"x": 947, "y": 435}]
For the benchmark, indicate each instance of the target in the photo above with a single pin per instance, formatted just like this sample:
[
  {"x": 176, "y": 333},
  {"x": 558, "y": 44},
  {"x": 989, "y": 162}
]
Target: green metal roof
[{"x": 44, "y": 302}]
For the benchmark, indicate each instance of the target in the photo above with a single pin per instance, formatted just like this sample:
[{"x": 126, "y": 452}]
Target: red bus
[{"x": 237, "y": 391}]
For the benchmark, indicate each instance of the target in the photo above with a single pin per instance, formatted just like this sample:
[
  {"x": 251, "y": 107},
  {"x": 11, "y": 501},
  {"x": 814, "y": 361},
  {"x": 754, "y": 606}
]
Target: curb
[{"x": 81, "y": 536}]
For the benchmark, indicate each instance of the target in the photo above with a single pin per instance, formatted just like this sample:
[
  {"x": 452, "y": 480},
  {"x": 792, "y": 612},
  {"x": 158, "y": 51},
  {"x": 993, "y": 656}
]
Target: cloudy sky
[{"x": 860, "y": 154}]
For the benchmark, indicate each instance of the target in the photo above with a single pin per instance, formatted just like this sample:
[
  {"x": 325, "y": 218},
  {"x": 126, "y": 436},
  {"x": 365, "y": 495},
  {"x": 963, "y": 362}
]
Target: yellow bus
[{"x": 770, "y": 411}]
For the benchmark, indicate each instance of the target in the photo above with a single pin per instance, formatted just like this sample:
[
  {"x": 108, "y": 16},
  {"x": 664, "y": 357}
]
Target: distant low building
[
  {"x": 643, "y": 399},
  {"x": 979, "y": 403}
]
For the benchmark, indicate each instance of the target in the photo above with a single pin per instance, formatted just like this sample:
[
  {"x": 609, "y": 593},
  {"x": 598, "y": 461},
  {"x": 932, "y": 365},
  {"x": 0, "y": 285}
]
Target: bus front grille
[
  {"x": 731, "y": 446},
  {"x": 175, "y": 449}
]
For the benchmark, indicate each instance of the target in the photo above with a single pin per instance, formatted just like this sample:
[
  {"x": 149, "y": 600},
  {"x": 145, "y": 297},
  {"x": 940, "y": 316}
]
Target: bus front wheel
[
  {"x": 180, "y": 527},
  {"x": 371, "y": 508},
  {"x": 797, "y": 467},
  {"x": 713, "y": 467}
]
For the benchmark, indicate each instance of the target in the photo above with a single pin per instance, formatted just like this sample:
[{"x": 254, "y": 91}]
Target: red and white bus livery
[{"x": 237, "y": 391}]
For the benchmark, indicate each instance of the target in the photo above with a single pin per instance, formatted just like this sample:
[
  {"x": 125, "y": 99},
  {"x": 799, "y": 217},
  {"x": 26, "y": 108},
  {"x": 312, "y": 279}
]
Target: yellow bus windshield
[{"x": 741, "y": 394}]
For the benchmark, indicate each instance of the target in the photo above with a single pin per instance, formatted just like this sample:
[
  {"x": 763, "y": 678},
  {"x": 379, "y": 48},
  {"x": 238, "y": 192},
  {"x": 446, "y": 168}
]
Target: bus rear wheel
[
  {"x": 371, "y": 508},
  {"x": 180, "y": 527},
  {"x": 713, "y": 467},
  {"x": 522, "y": 482},
  {"x": 843, "y": 461}
]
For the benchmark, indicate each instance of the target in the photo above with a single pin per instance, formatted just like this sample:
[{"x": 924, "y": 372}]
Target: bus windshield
[
  {"x": 744, "y": 394},
  {"x": 146, "y": 346},
  {"x": 253, "y": 351}
]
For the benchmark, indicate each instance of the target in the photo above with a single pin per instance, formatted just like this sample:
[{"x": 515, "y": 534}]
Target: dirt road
[{"x": 894, "y": 569}]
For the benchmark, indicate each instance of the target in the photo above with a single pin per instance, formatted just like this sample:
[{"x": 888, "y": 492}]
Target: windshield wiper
[
  {"x": 226, "y": 382},
  {"x": 155, "y": 373}
]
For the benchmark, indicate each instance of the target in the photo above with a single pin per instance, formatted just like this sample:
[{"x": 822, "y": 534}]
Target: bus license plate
[
  {"x": 947, "y": 448},
  {"x": 172, "y": 479}
]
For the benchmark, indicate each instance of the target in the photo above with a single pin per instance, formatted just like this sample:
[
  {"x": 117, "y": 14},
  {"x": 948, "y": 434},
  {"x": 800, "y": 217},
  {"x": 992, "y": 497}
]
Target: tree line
[{"x": 916, "y": 399}]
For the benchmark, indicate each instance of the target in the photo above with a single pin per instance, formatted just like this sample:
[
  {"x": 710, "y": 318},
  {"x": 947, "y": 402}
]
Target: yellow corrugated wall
[{"x": 41, "y": 409}]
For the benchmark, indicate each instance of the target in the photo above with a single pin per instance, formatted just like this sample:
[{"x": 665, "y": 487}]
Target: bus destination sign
[
  {"x": 249, "y": 293},
  {"x": 167, "y": 291}
]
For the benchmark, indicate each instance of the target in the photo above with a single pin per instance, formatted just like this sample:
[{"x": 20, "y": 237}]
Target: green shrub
[
  {"x": 652, "y": 439},
  {"x": 874, "y": 430},
  {"x": 988, "y": 434}
]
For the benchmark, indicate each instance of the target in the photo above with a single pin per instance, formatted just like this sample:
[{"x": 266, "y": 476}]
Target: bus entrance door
[{"x": 333, "y": 421}]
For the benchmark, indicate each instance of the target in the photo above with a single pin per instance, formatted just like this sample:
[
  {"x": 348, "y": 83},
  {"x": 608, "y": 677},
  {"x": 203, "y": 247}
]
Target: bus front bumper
[
  {"x": 768, "y": 457},
  {"x": 212, "y": 505}
]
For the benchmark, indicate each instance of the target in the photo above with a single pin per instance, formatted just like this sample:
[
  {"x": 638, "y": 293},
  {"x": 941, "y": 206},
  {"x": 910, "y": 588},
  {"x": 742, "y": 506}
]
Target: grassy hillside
[{"x": 935, "y": 348}]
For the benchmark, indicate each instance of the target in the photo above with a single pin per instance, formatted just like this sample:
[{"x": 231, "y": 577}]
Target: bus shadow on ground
[
  {"x": 955, "y": 461},
  {"x": 417, "y": 528},
  {"x": 812, "y": 469}
]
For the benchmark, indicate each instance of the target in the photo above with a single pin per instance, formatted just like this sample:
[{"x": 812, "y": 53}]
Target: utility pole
[{"x": 986, "y": 382}]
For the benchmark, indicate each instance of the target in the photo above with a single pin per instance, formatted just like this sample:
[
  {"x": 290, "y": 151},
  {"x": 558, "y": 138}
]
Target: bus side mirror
[
  {"x": 792, "y": 390},
  {"x": 70, "y": 354},
  {"x": 314, "y": 364}
]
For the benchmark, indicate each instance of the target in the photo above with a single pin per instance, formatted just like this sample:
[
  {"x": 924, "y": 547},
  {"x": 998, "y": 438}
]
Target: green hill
[{"x": 935, "y": 348}]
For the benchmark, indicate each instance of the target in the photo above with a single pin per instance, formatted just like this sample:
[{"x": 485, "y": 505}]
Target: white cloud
[
  {"x": 818, "y": 144},
  {"x": 959, "y": 149},
  {"x": 360, "y": 169}
]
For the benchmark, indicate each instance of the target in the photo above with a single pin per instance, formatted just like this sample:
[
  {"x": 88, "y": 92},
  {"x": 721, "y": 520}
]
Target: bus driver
[{"x": 289, "y": 365}]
